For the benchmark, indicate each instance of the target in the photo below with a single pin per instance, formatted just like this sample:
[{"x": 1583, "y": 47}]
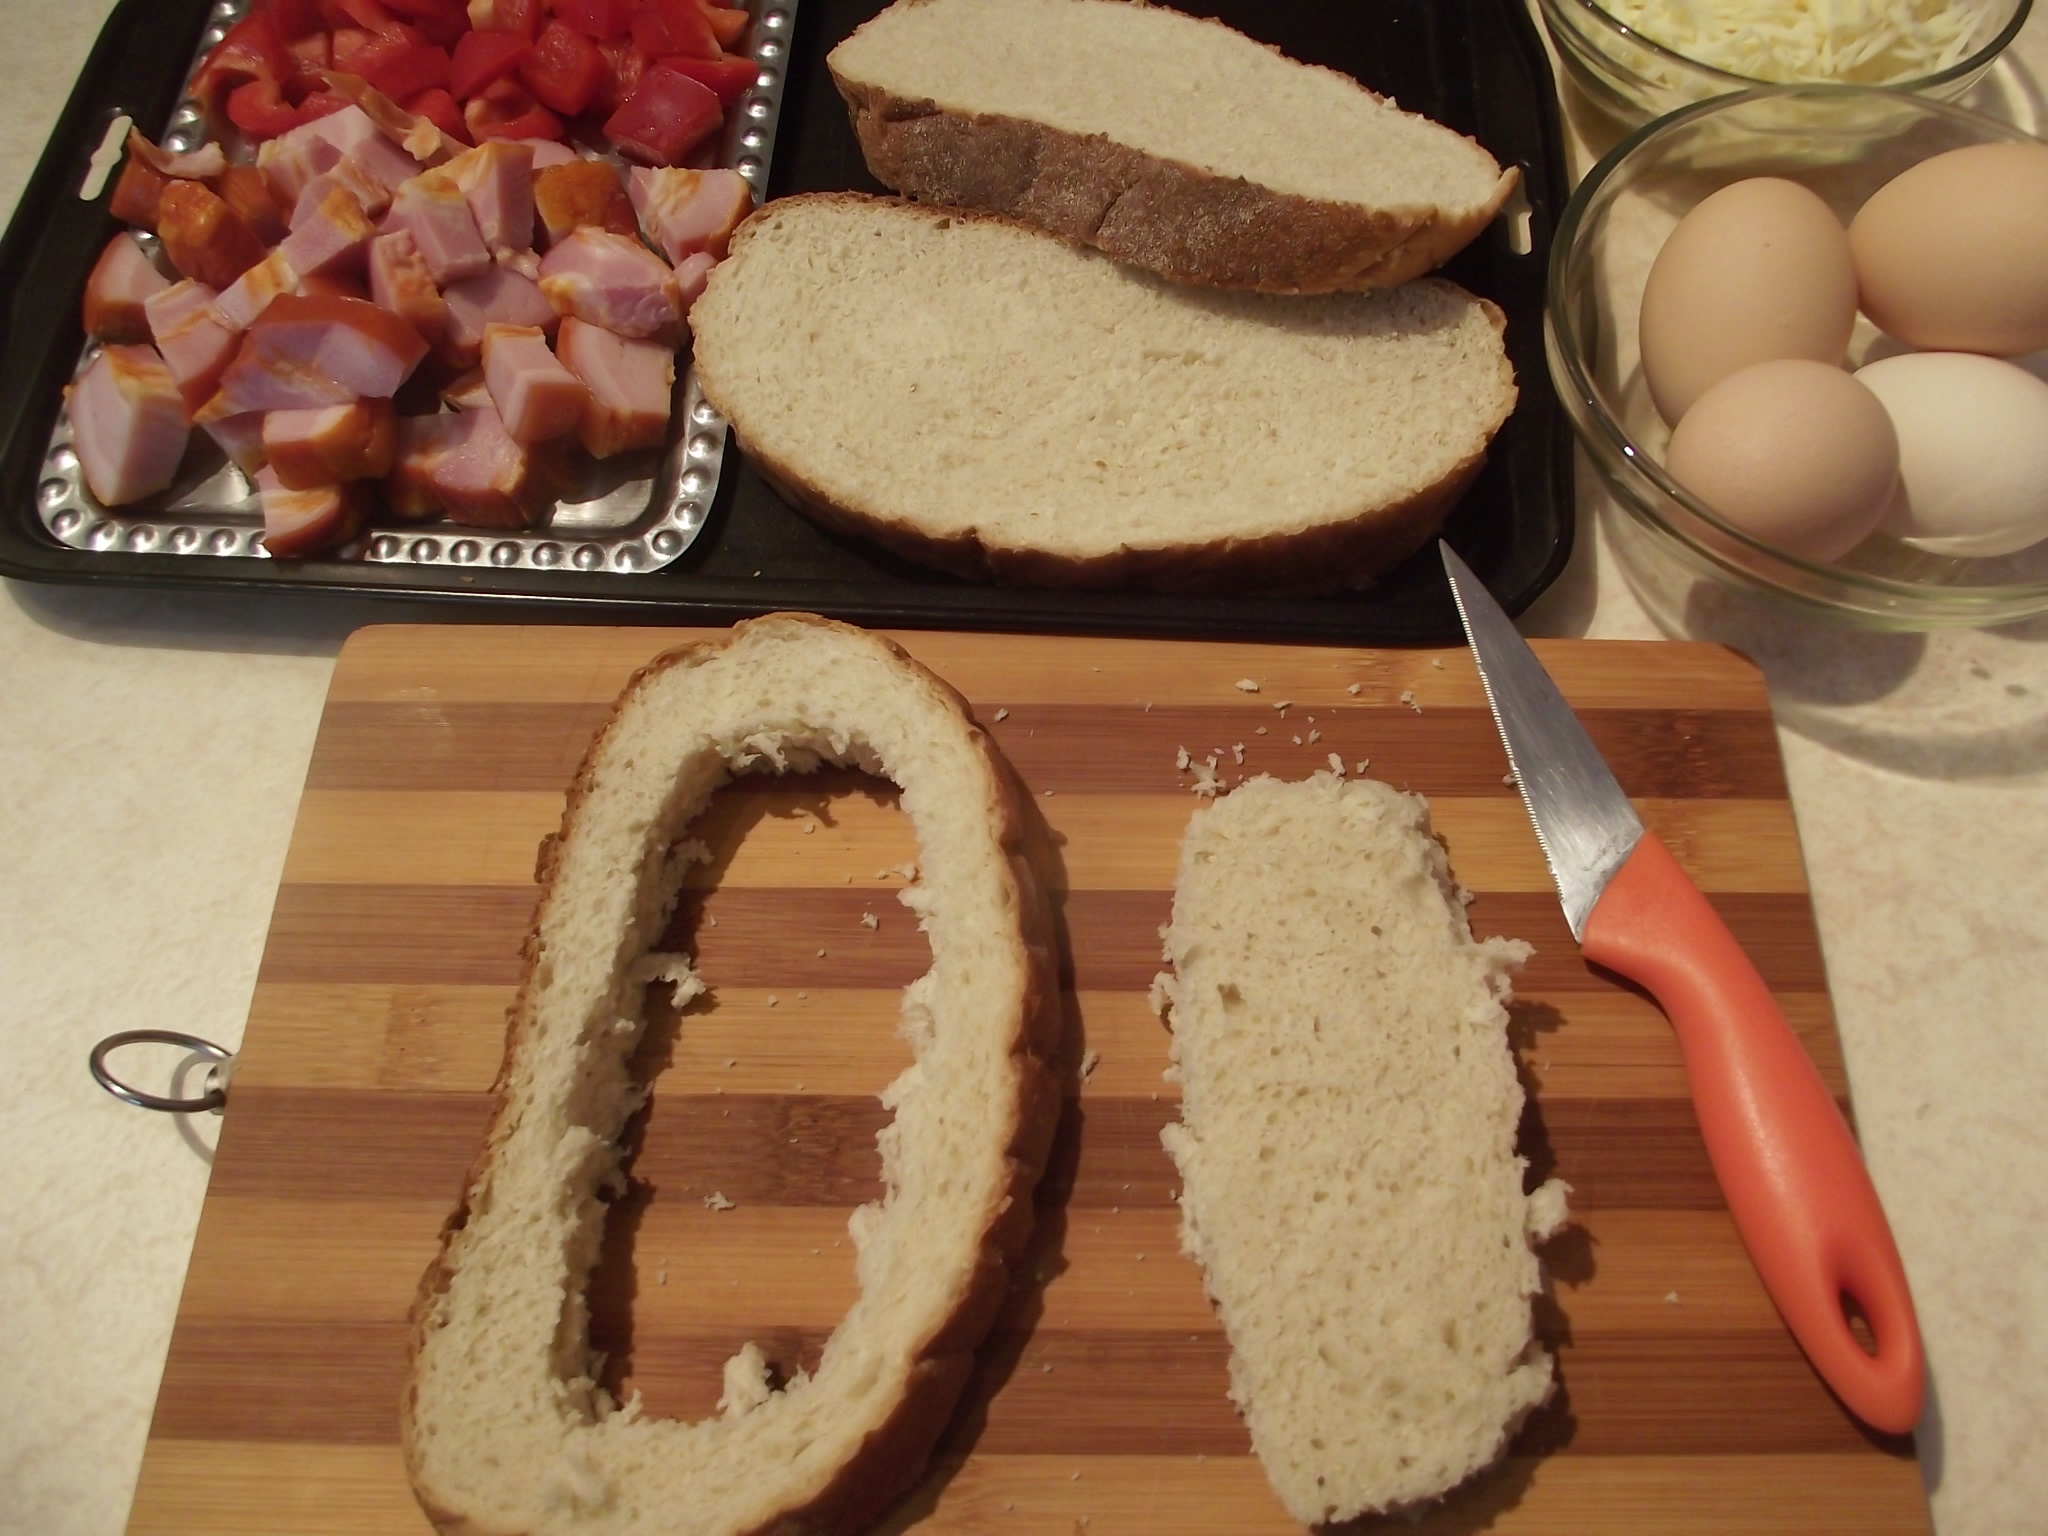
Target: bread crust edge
[{"x": 892, "y": 1458}]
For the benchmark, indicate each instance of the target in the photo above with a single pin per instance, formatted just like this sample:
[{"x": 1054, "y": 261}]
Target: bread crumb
[
  {"x": 800, "y": 997},
  {"x": 1247, "y": 685},
  {"x": 1181, "y": 758},
  {"x": 1355, "y": 689},
  {"x": 1089, "y": 1061},
  {"x": 1075, "y": 1478},
  {"x": 1437, "y": 662},
  {"x": 661, "y": 1277},
  {"x": 1336, "y": 763},
  {"x": 1408, "y": 698},
  {"x": 715, "y": 1201},
  {"x": 821, "y": 954},
  {"x": 1314, "y": 736},
  {"x": 1260, "y": 731},
  {"x": 1237, "y": 752},
  {"x": 1508, "y": 778},
  {"x": 1282, "y": 703},
  {"x": 869, "y": 920},
  {"x": 1206, "y": 784},
  {"x": 1141, "y": 1258},
  {"x": 1002, "y": 714},
  {"x": 730, "y": 1064},
  {"x": 773, "y": 1000},
  {"x": 1048, "y": 794},
  {"x": 810, "y": 827},
  {"x": 1361, "y": 765},
  {"x": 710, "y": 921},
  {"x": 1297, "y": 741},
  {"x": 1671, "y": 1298},
  {"x": 1047, "y": 1369}
]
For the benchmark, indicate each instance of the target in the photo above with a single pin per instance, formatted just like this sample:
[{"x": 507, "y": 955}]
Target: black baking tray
[{"x": 1476, "y": 65}]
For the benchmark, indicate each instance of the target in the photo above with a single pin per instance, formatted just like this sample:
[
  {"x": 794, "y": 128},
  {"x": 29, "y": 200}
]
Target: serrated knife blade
[{"x": 1787, "y": 1163}]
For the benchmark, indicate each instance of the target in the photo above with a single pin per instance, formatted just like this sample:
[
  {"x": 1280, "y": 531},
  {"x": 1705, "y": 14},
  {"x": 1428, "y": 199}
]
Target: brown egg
[
  {"x": 1759, "y": 270},
  {"x": 1952, "y": 255},
  {"x": 1793, "y": 452}
]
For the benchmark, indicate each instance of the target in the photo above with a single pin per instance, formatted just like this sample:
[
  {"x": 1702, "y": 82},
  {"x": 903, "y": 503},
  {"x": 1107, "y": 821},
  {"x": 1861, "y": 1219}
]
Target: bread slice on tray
[
  {"x": 504, "y": 1429},
  {"x": 1346, "y": 1144},
  {"x": 1172, "y": 143},
  {"x": 981, "y": 396}
]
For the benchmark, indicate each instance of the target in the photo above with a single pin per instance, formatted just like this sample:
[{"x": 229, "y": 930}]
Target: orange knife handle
[{"x": 1794, "y": 1180}]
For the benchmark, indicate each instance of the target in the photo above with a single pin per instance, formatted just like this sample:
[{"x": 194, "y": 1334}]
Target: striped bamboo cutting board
[{"x": 1099, "y": 1405}]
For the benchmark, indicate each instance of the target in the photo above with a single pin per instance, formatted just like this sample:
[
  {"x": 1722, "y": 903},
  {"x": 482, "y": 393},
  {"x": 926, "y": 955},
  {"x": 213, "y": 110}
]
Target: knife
[{"x": 1788, "y": 1165}]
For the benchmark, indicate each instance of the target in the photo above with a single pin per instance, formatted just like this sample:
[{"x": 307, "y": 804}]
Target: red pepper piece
[
  {"x": 728, "y": 78},
  {"x": 252, "y": 50},
  {"x": 565, "y": 69},
  {"x": 601, "y": 20},
  {"x": 727, "y": 24},
  {"x": 481, "y": 57},
  {"x": 505, "y": 110},
  {"x": 662, "y": 27},
  {"x": 440, "y": 109}
]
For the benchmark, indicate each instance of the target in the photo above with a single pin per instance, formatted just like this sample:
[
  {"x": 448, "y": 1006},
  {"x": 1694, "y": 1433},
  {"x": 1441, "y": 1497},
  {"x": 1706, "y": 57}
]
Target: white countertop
[{"x": 153, "y": 747}]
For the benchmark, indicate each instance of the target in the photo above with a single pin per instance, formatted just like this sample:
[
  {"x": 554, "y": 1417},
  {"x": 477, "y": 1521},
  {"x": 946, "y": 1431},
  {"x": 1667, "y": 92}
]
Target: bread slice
[
  {"x": 1347, "y": 1144},
  {"x": 504, "y": 1428},
  {"x": 1172, "y": 143},
  {"x": 986, "y": 398}
]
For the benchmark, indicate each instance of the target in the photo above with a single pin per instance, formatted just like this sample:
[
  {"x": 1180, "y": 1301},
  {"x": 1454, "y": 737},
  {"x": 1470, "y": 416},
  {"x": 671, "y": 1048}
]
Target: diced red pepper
[
  {"x": 564, "y": 70},
  {"x": 252, "y": 50},
  {"x": 728, "y": 77},
  {"x": 295, "y": 18},
  {"x": 347, "y": 42},
  {"x": 400, "y": 62},
  {"x": 521, "y": 16},
  {"x": 321, "y": 104},
  {"x": 623, "y": 66},
  {"x": 259, "y": 109},
  {"x": 727, "y": 25},
  {"x": 663, "y": 27},
  {"x": 481, "y": 57},
  {"x": 439, "y": 21},
  {"x": 440, "y": 109},
  {"x": 367, "y": 14},
  {"x": 313, "y": 51},
  {"x": 665, "y": 117},
  {"x": 505, "y": 110},
  {"x": 599, "y": 19}
]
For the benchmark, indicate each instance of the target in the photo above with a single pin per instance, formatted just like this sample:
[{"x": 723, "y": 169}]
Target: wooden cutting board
[{"x": 1099, "y": 1405}]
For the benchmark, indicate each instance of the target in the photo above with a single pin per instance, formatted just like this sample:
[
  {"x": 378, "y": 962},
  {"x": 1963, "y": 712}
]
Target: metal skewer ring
[{"x": 213, "y": 1098}]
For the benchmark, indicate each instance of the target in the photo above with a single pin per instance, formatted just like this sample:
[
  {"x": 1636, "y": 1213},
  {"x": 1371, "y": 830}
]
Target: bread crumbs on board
[
  {"x": 1089, "y": 1061},
  {"x": 1002, "y": 714},
  {"x": 1247, "y": 685},
  {"x": 1355, "y": 689},
  {"x": 716, "y": 1201},
  {"x": 869, "y": 920}
]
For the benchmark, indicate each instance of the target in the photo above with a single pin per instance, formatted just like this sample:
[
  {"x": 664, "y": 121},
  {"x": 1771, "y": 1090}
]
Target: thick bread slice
[
  {"x": 504, "y": 1429},
  {"x": 989, "y": 399},
  {"x": 1347, "y": 1144},
  {"x": 1172, "y": 143}
]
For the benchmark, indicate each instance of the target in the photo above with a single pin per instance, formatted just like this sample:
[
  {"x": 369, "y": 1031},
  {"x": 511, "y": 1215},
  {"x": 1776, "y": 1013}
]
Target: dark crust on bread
[
  {"x": 890, "y": 1460},
  {"x": 1187, "y": 224}
]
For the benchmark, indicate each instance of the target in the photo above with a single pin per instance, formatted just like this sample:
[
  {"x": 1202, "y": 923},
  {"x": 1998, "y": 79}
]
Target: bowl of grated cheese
[{"x": 1638, "y": 59}]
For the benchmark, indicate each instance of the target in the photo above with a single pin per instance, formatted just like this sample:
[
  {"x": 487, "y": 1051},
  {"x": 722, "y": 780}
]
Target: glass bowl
[
  {"x": 1633, "y": 78},
  {"x": 1843, "y": 142}
]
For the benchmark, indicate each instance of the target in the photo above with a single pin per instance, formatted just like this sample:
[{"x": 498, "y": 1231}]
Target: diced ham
[
  {"x": 500, "y": 296},
  {"x": 537, "y": 398},
  {"x": 246, "y": 190},
  {"x": 196, "y": 347},
  {"x": 683, "y": 212},
  {"x": 467, "y": 391},
  {"x": 371, "y": 195},
  {"x": 496, "y": 179},
  {"x": 384, "y": 163},
  {"x": 250, "y": 294},
  {"x": 432, "y": 209},
  {"x": 347, "y": 130},
  {"x": 202, "y": 236},
  {"x": 121, "y": 282},
  {"x": 330, "y": 237},
  {"x": 316, "y": 351},
  {"x": 401, "y": 283},
  {"x": 546, "y": 152},
  {"x": 525, "y": 263},
  {"x": 465, "y": 464},
  {"x": 200, "y": 164},
  {"x": 566, "y": 197},
  {"x": 691, "y": 275},
  {"x": 294, "y": 158},
  {"x": 330, "y": 443},
  {"x": 629, "y": 382},
  {"x": 127, "y": 424},
  {"x": 137, "y": 191},
  {"x": 311, "y": 521},
  {"x": 240, "y": 438},
  {"x": 416, "y": 135},
  {"x": 611, "y": 281}
]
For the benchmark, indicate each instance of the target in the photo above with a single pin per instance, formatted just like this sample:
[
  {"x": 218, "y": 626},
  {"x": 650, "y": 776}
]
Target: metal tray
[{"x": 1475, "y": 65}]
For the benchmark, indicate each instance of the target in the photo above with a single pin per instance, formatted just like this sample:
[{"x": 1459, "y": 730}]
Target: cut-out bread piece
[
  {"x": 986, "y": 398},
  {"x": 505, "y": 1431},
  {"x": 1170, "y": 142},
  {"x": 1350, "y": 1185}
]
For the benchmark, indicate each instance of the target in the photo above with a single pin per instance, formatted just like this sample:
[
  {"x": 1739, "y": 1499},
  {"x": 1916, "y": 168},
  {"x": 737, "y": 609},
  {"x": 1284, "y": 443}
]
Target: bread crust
[
  {"x": 1187, "y": 224},
  {"x": 890, "y": 1459}
]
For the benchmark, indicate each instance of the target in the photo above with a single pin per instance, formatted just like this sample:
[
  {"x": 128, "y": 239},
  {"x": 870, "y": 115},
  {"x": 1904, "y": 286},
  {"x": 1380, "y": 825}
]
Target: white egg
[{"x": 1973, "y": 451}]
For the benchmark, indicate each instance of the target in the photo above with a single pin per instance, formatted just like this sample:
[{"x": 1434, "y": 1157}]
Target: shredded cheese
[{"x": 1862, "y": 42}]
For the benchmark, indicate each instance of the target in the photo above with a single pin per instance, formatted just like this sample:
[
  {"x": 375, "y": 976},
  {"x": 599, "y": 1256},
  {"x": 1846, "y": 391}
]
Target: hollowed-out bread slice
[
  {"x": 1172, "y": 143},
  {"x": 505, "y": 1430},
  {"x": 989, "y": 399},
  {"x": 1346, "y": 1144}
]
